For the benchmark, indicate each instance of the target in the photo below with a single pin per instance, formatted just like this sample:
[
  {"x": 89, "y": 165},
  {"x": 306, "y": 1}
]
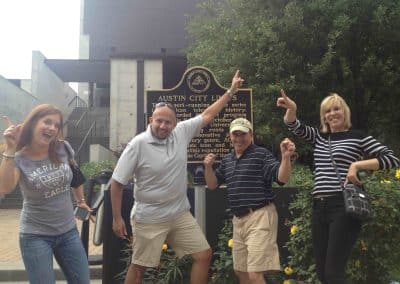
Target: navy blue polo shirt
[{"x": 249, "y": 178}]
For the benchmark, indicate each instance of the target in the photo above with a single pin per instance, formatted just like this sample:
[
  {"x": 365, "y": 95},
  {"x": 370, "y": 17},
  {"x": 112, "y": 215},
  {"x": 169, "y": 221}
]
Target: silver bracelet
[{"x": 8, "y": 156}]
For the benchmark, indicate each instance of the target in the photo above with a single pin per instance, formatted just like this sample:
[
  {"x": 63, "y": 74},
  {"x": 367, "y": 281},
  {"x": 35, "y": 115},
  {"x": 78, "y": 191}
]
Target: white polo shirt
[{"x": 160, "y": 170}]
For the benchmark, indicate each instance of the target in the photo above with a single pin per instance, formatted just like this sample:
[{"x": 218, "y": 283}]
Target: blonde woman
[{"x": 333, "y": 232}]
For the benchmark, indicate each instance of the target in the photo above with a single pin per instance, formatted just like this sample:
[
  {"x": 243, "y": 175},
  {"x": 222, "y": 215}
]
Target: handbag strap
[
  {"x": 70, "y": 154},
  {"x": 334, "y": 163}
]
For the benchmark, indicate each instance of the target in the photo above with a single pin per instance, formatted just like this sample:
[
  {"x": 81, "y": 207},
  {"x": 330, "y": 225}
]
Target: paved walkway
[{"x": 10, "y": 258}]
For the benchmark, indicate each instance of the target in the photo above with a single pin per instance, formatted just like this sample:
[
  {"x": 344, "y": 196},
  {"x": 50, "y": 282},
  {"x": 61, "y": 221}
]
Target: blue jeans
[
  {"x": 37, "y": 253},
  {"x": 334, "y": 234}
]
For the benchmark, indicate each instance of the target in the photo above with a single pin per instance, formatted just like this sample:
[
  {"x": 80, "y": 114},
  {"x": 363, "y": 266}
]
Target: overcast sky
[{"x": 50, "y": 26}]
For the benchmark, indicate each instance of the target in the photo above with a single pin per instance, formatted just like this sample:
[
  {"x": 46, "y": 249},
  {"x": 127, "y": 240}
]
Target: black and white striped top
[
  {"x": 249, "y": 178},
  {"x": 347, "y": 147}
]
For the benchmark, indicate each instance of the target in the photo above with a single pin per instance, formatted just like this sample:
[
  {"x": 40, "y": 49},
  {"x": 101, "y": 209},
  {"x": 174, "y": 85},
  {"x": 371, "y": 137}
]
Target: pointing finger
[{"x": 9, "y": 122}]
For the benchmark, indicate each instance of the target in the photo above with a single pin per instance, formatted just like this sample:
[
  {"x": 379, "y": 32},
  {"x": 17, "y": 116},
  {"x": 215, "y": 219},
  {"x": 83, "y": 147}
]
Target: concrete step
[
  {"x": 95, "y": 281},
  {"x": 17, "y": 274},
  {"x": 12, "y": 200}
]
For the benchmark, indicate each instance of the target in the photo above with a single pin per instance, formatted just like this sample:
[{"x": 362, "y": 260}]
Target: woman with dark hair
[
  {"x": 36, "y": 159},
  {"x": 333, "y": 232}
]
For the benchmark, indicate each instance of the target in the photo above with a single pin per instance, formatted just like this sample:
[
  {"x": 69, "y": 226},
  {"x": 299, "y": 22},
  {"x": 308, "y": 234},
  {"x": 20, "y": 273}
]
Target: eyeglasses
[{"x": 168, "y": 105}]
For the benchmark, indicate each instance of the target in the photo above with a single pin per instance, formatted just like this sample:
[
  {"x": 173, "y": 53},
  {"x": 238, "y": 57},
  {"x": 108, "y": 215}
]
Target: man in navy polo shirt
[{"x": 248, "y": 173}]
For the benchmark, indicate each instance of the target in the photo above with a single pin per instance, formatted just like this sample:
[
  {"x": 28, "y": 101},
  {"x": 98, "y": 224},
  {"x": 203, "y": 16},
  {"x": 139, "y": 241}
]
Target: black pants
[{"x": 334, "y": 235}]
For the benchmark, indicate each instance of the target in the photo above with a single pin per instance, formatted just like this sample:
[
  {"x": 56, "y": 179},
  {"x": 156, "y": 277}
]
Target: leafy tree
[{"x": 309, "y": 48}]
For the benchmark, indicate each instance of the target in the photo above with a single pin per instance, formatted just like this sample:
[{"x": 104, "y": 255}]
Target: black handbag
[
  {"x": 77, "y": 176},
  {"x": 356, "y": 200}
]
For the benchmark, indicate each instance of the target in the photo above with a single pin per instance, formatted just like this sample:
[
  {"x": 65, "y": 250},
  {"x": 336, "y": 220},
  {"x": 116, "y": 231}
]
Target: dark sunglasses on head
[{"x": 168, "y": 105}]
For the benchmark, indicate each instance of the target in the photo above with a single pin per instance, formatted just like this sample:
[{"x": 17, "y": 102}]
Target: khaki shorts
[
  {"x": 182, "y": 234},
  {"x": 254, "y": 241}
]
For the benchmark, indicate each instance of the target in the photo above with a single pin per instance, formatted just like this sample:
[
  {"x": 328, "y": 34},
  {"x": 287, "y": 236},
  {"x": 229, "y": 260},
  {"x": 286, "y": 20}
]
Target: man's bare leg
[
  {"x": 243, "y": 277},
  {"x": 250, "y": 277},
  {"x": 256, "y": 277},
  {"x": 200, "y": 266},
  {"x": 135, "y": 274}
]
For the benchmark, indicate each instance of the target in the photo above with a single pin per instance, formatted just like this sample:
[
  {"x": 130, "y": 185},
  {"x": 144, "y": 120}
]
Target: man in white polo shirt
[{"x": 157, "y": 159}]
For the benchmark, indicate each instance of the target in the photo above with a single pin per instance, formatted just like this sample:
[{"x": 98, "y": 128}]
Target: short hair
[
  {"x": 30, "y": 123},
  {"x": 165, "y": 104},
  {"x": 327, "y": 102}
]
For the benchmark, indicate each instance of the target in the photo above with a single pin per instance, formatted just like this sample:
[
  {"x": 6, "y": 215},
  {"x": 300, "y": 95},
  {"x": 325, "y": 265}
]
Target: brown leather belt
[{"x": 245, "y": 211}]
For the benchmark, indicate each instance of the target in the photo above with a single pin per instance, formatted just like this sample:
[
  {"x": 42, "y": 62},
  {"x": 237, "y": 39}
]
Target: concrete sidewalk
[{"x": 11, "y": 265}]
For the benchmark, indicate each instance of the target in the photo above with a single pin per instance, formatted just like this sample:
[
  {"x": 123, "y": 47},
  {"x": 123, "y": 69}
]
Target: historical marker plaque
[{"x": 197, "y": 90}]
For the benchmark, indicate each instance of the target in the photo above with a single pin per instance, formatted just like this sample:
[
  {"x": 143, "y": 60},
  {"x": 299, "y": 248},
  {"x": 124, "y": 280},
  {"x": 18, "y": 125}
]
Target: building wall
[
  {"x": 123, "y": 101},
  {"x": 153, "y": 76},
  {"x": 44, "y": 87},
  {"x": 14, "y": 103},
  {"x": 47, "y": 87},
  {"x": 99, "y": 153},
  {"x": 83, "y": 88},
  {"x": 136, "y": 26},
  {"x": 26, "y": 84},
  {"x": 123, "y": 97}
]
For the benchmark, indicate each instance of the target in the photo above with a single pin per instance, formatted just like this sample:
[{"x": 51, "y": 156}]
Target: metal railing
[
  {"x": 75, "y": 122},
  {"x": 77, "y": 102},
  {"x": 85, "y": 140},
  {"x": 83, "y": 129}
]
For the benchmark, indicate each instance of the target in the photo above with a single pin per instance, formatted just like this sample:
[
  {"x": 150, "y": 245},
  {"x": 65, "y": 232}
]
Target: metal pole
[
  {"x": 200, "y": 206},
  {"x": 116, "y": 250},
  {"x": 85, "y": 224}
]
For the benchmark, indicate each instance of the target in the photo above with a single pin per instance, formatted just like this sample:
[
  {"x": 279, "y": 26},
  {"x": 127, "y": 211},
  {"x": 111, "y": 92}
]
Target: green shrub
[
  {"x": 92, "y": 169},
  {"x": 376, "y": 255},
  {"x": 222, "y": 266},
  {"x": 300, "y": 247},
  {"x": 172, "y": 270}
]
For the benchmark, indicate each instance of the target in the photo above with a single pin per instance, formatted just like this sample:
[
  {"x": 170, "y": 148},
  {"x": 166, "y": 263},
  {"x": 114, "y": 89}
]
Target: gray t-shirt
[
  {"x": 159, "y": 168},
  {"x": 47, "y": 206}
]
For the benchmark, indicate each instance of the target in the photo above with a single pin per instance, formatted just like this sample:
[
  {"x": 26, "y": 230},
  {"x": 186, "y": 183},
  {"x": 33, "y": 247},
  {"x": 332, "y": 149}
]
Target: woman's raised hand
[
  {"x": 290, "y": 106},
  {"x": 11, "y": 134},
  {"x": 285, "y": 102}
]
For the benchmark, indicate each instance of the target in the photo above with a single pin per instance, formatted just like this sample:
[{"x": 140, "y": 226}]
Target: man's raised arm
[{"x": 209, "y": 113}]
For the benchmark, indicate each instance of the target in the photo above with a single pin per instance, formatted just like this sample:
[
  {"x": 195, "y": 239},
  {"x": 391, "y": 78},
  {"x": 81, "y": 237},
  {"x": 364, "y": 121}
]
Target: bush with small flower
[
  {"x": 288, "y": 270},
  {"x": 172, "y": 270},
  {"x": 374, "y": 258},
  {"x": 397, "y": 174},
  {"x": 376, "y": 254},
  {"x": 222, "y": 266},
  {"x": 290, "y": 281}
]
